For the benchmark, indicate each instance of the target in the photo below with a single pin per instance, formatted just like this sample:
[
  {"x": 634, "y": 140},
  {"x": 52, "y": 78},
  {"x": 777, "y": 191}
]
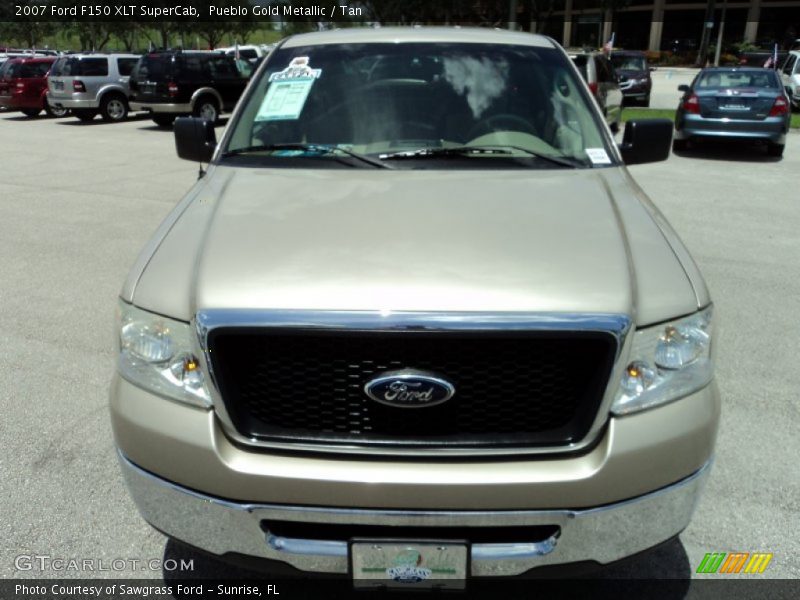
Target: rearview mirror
[
  {"x": 646, "y": 140},
  {"x": 195, "y": 139},
  {"x": 683, "y": 88}
]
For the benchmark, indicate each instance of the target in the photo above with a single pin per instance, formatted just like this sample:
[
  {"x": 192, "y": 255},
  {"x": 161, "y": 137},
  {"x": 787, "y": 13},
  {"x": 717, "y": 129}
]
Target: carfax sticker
[
  {"x": 298, "y": 69},
  {"x": 288, "y": 91},
  {"x": 598, "y": 156}
]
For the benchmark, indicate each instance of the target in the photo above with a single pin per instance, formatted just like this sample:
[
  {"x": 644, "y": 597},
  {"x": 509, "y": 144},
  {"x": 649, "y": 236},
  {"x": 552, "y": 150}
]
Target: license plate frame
[{"x": 439, "y": 564}]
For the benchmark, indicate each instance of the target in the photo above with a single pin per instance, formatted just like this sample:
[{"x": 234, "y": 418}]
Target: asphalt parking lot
[{"x": 78, "y": 201}]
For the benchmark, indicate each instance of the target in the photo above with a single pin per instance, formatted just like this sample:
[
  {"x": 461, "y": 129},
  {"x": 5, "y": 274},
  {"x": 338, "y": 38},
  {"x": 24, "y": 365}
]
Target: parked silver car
[
  {"x": 416, "y": 321},
  {"x": 733, "y": 103},
  {"x": 600, "y": 75},
  {"x": 89, "y": 84},
  {"x": 790, "y": 76}
]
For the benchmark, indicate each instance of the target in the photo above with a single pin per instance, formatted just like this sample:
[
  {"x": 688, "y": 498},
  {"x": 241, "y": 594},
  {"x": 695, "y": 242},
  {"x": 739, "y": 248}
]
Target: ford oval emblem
[{"x": 409, "y": 389}]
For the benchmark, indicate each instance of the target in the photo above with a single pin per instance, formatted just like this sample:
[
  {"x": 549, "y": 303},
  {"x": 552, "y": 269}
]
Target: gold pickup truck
[{"x": 494, "y": 358}]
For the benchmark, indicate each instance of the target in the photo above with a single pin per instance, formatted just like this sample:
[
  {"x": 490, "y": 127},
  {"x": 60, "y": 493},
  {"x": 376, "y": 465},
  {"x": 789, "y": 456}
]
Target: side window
[
  {"x": 33, "y": 70},
  {"x": 94, "y": 67},
  {"x": 126, "y": 65},
  {"x": 789, "y": 65},
  {"x": 58, "y": 66},
  {"x": 612, "y": 72},
  {"x": 603, "y": 74},
  {"x": 245, "y": 68},
  {"x": 223, "y": 67},
  {"x": 193, "y": 68}
]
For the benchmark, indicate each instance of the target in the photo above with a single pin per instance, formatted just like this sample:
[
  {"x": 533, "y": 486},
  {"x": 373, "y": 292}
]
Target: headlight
[
  {"x": 667, "y": 362},
  {"x": 156, "y": 353}
]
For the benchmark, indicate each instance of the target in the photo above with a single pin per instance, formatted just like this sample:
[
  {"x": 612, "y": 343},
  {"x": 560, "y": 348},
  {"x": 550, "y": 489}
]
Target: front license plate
[{"x": 408, "y": 564}]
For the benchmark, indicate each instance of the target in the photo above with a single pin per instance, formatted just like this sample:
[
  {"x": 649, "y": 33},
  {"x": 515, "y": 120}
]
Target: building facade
[{"x": 672, "y": 24}]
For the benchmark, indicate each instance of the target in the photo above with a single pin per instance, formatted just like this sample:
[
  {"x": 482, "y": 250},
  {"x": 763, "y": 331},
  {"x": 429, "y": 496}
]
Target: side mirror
[
  {"x": 195, "y": 139},
  {"x": 683, "y": 88},
  {"x": 646, "y": 140}
]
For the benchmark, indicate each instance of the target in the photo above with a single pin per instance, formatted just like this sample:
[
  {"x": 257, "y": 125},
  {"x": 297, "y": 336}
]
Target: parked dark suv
[
  {"x": 634, "y": 75},
  {"x": 175, "y": 83}
]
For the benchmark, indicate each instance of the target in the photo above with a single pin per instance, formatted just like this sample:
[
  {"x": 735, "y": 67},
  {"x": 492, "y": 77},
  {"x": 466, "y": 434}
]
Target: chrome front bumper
[{"x": 603, "y": 534}]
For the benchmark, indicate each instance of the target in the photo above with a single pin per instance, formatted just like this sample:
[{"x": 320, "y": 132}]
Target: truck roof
[{"x": 475, "y": 35}]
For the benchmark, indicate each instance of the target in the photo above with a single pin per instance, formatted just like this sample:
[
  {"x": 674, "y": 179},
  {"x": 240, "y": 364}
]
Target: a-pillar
[{"x": 656, "y": 26}]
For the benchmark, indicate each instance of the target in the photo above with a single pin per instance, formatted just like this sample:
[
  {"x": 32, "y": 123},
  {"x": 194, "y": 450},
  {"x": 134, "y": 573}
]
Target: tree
[
  {"x": 214, "y": 32},
  {"x": 92, "y": 35},
  {"x": 126, "y": 32},
  {"x": 24, "y": 30},
  {"x": 480, "y": 12}
]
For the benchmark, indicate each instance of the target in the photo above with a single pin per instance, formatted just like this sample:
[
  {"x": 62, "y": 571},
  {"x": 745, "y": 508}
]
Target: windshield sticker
[
  {"x": 288, "y": 91},
  {"x": 285, "y": 100},
  {"x": 598, "y": 156},
  {"x": 297, "y": 69}
]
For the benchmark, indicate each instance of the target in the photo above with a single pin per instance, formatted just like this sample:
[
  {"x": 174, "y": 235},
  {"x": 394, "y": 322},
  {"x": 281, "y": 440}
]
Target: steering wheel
[{"x": 495, "y": 123}]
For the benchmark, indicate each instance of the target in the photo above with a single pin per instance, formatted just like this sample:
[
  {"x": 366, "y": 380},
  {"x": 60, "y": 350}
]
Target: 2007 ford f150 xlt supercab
[{"x": 495, "y": 357}]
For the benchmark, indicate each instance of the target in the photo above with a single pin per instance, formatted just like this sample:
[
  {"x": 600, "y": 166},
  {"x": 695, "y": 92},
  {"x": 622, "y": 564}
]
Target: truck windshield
[{"x": 417, "y": 99}]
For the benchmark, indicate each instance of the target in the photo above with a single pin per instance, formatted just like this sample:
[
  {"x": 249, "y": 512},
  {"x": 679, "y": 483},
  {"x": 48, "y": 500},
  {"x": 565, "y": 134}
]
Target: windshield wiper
[
  {"x": 503, "y": 149},
  {"x": 316, "y": 148}
]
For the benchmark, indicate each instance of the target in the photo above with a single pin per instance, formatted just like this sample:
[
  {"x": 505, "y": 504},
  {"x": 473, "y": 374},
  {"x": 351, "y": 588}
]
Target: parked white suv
[
  {"x": 790, "y": 75},
  {"x": 250, "y": 53},
  {"x": 89, "y": 84}
]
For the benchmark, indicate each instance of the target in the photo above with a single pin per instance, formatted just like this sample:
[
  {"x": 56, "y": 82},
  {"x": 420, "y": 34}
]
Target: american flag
[
  {"x": 772, "y": 61},
  {"x": 609, "y": 45}
]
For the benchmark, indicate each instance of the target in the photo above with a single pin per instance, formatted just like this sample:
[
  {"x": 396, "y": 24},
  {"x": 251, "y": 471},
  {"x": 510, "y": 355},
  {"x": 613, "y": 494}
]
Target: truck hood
[{"x": 549, "y": 240}]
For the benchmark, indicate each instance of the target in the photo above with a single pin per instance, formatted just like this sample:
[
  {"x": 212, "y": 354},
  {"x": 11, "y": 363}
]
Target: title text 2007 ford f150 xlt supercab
[{"x": 416, "y": 322}]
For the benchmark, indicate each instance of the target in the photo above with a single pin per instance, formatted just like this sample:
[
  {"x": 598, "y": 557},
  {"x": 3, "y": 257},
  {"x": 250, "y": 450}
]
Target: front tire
[
  {"x": 206, "y": 108},
  {"x": 680, "y": 145},
  {"x": 163, "y": 120},
  {"x": 84, "y": 115},
  {"x": 55, "y": 111},
  {"x": 113, "y": 108}
]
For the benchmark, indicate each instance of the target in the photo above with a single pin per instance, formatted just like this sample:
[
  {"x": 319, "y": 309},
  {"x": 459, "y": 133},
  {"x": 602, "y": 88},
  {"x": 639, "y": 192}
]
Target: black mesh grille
[{"x": 511, "y": 390}]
